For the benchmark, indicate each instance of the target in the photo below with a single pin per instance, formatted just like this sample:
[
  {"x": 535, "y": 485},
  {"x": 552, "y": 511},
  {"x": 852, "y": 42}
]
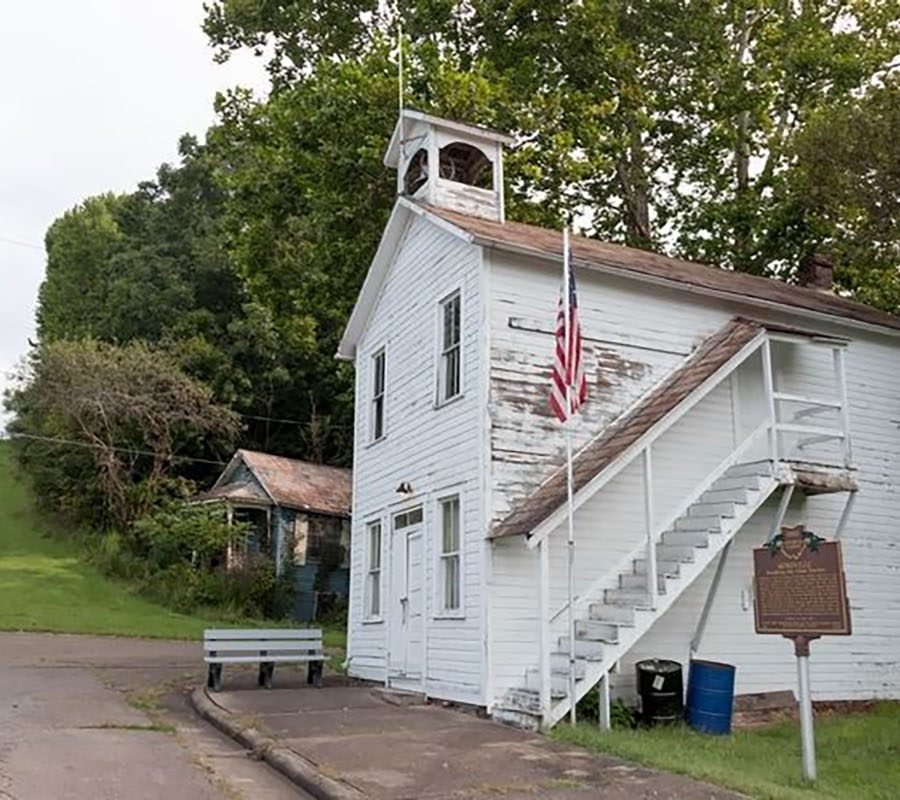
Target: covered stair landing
[{"x": 691, "y": 507}]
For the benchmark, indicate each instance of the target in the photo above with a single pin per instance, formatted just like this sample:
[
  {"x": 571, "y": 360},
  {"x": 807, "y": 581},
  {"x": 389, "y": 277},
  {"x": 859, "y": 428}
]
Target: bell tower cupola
[{"x": 448, "y": 164}]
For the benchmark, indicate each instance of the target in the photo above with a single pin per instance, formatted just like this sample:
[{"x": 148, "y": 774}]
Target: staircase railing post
[
  {"x": 648, "y": 524},
  {"x": 769, "y": 384},
  {"x": 544, "y": 621},
  {"x": 840, "y": 376}
]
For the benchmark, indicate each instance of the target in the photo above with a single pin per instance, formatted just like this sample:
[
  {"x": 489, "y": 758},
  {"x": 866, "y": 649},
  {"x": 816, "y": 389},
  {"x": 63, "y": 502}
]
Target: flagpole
[{"x": 570, "y": 576}]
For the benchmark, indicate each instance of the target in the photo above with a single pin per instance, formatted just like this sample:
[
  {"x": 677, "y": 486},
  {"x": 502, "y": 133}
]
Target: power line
[
  {"x": 291, "y": 421},
  {"x": 20, "y": 243},
  {"x": 91, "y": 446}
]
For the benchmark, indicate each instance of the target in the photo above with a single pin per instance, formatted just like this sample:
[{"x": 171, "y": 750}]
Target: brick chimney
[{"x": 816, "y": 271}]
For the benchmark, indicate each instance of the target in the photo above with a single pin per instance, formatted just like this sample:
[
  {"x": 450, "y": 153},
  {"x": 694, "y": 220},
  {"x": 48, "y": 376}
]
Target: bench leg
[
  {"x": 214, "y": 677},
  {"x": 266, "y": 673},
  {"x": 314, "y": 673}
]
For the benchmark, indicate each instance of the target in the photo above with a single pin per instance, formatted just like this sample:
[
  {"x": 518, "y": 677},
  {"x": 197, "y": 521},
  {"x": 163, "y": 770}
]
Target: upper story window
[
  {"x": 450, "y": 370},
  {"x": 376, "y": 426}
]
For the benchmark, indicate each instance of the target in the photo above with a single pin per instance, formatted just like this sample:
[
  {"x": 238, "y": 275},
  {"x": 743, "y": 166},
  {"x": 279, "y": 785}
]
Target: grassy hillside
[{"x": 45, "y": 587}]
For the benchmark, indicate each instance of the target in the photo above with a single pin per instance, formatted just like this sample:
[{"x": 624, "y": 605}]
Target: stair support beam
[
  {"x": 652, "y": 587},
  {"x": 786, "y": 496},
  {"x": 605, "y": 721},
  {"x": 710, "y": 599},
  {"x": 544, "y": 621}
]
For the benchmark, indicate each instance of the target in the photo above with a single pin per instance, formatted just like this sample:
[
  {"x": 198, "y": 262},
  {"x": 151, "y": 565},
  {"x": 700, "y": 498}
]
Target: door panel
[{"x": 407, "y": 603}]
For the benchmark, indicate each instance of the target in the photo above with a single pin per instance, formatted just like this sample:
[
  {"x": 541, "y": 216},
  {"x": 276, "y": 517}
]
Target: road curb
[{"x": 289, "y": 763}]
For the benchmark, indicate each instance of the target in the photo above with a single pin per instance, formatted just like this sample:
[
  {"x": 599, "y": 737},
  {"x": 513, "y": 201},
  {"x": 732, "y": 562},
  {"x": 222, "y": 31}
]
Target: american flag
[{"x": 568, "y": 365}]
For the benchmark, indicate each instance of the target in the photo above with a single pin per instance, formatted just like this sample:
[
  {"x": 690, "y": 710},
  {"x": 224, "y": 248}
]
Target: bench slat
[
  {"x": 300, "y": 634},
  {"x": 255, "y": 647},
  {"x": 257, "y": 659}
]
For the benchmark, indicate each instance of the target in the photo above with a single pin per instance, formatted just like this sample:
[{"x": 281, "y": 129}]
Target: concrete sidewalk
[{"x": 378, "y": 749}]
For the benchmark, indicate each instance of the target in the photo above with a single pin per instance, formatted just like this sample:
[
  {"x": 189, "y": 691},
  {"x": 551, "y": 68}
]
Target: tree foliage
[{"x": 104, "y": 425}]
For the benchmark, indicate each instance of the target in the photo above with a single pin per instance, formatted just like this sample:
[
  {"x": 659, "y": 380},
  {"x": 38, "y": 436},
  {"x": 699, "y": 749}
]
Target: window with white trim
[
  {"x": 373, "y": 570},
  {"x": 378, "y": 383},
  {"x": 450, "y": 369},
  {"x": 450, "y": 561}
]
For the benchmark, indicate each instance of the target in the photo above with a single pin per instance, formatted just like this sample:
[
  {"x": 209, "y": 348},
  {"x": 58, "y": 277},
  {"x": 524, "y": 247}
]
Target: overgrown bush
[{"x": 621, "y": 714}]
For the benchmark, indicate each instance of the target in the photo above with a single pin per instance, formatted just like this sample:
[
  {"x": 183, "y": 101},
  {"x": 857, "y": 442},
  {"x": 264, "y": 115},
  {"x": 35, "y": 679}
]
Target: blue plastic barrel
[{"x": 710, "y": 696}]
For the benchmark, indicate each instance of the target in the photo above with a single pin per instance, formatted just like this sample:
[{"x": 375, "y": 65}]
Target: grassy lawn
[
  {"x": 45, "y": 587},
  {"x": 858, "y": 755}
]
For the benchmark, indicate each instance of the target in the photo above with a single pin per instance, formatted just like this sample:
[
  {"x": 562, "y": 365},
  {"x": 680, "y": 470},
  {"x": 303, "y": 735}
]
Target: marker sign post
[{"x": 800, "y": 593}]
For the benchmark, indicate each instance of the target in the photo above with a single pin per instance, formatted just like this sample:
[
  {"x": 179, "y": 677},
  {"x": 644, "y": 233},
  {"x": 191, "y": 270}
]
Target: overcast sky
[{"x": 93, "y": 97}]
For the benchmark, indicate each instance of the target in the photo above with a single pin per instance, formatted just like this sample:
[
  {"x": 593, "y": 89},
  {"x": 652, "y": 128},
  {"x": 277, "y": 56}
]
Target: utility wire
[
  {"x": 20, "y": 243},
  {"x": 91, "y": 446}
]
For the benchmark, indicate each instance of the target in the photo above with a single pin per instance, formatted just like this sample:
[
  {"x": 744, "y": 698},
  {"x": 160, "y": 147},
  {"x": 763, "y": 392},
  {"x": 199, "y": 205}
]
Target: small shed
[{"x": 299, "y": 515}]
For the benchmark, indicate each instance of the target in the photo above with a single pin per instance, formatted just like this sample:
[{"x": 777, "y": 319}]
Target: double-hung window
[
  {"x": 450, "y": 369},
  {"x": 377, "y": 413},
  {"x": 373, "y": 570},
  {"x": 450, "y": 563}
]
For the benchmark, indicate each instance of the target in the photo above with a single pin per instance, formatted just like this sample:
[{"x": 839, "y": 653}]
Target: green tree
[
  {"x": 102, "y": 426},
  {"x": 658, "y": 122}
]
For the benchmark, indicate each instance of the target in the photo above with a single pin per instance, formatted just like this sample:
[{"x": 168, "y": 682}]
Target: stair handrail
[{"x": 591, "y": 592}]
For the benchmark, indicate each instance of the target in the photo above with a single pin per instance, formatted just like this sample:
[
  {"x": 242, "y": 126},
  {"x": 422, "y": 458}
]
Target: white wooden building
[{"x": 719, "y": 405}]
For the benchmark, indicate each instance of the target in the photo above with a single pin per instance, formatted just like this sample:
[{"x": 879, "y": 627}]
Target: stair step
[
  {"x": 709, "y": 523},
  {"x": 756, "y": 468},
  {"x": 597, "y": 631},
  {"x": 670, "y": 568},
  {"x": 522, "y": 699},
  {"x": 634, "y": 581},
  {"x": 748, "y": 482},
  {"x": 559, "y": 682},
  {"x": 686, "y": 538},
  {"x": 728, "y": 494},
  {"x": 584, "y": 648},
  {"x": 712, "y": 509},
  {"x": 559, "y": 665},
  {"x": 675, "y": 552},
  {"x": 606, "y": 612},
  {"x": 637, "y": 598}
]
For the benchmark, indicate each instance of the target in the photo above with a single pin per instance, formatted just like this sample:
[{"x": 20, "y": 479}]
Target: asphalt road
[{"x": 103, "y": 718}]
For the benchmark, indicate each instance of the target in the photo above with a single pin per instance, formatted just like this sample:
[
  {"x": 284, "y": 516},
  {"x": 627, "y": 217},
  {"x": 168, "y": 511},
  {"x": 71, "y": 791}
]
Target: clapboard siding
[
  {"x": 635, "y": 335},
  {"x": 633, "y": 338},
  {"x": 435, "y": 449},
  {"x": 866, "y": 664}
]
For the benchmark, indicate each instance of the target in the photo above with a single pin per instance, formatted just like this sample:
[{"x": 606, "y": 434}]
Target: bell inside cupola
[{"x": 448, "y": 164}]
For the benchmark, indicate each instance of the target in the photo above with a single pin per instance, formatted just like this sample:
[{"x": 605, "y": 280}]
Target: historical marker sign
[
  {"x": 802, "y": 595},
  {"x": 800, "y": 587}
]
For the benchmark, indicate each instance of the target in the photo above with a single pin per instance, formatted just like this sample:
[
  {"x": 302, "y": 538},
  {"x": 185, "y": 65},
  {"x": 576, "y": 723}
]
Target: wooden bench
[{"x": 266, "y": 647}]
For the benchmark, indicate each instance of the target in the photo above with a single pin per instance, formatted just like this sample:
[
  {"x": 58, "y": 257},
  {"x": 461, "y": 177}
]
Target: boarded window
[{"x": 301, "y": 539}]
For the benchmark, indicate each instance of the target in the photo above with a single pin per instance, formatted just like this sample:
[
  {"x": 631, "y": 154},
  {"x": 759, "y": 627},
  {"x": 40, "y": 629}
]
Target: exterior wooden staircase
[{"x": 621, "y": 616}]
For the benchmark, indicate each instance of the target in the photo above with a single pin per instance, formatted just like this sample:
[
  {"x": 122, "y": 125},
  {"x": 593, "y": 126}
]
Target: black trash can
[{"x": 660, "y": 691}]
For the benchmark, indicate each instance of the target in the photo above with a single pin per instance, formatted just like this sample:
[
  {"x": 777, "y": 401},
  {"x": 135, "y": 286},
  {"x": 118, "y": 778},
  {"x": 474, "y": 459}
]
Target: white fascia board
[
  {"x": 403, "y": 211},
  {"x": 733, "y": 297}
]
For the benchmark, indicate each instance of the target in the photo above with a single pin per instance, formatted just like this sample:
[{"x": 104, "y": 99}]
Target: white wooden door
[{"x": 407, "y": 612}]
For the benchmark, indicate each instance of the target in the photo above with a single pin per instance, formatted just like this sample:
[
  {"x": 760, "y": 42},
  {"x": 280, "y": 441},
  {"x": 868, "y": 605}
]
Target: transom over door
[{"x": 407, "y": 611}]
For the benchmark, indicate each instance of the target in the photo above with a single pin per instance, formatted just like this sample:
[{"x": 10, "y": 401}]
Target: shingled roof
[
  {"x": 519, "y": 237},
  {"x": 598, "y": 454},
  {"x": 289, "y": 482}
]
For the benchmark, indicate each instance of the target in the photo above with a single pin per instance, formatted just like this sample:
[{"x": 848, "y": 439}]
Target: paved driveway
[
  {"x": 427, "y": 752},
  {"x": 81, "y": 718}
]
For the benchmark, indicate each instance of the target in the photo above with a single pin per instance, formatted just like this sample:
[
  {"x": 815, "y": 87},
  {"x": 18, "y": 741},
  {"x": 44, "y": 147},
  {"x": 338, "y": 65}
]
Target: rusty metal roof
[
  {"x": 519, "y": 237},
  {"x": 296, "y": 484},
  {"x": 598, "y": 454}
]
